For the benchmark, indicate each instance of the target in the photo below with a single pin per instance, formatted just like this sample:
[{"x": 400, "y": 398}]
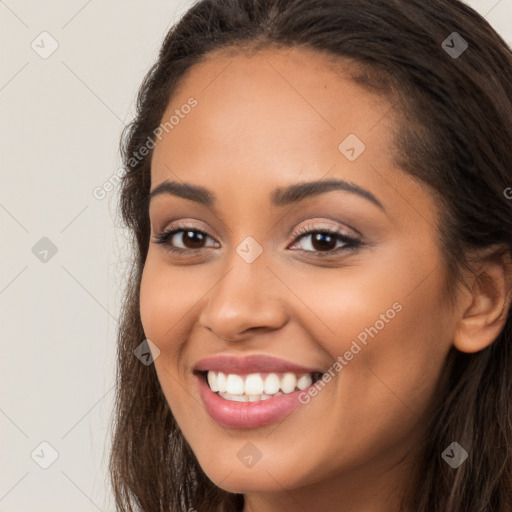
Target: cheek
[
  {"x": 390, "y": 342},
  {"x": 339, "y": 306},
  {"x": 165, "y": 303},
  {"x": 166, "y": 306},
  {"x": 389, "y": 335}
]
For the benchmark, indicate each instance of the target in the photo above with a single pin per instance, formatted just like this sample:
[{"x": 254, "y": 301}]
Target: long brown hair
[{"x": 455, "y": 135}]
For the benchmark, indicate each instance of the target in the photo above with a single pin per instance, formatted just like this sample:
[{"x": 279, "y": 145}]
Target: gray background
[{"x": 61, "y": 121}]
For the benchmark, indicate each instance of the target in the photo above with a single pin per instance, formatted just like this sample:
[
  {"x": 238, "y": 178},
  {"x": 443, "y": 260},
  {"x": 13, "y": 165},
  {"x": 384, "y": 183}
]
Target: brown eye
[
  {"x": 323, "y": 241},
  {"x": 183, "y": 239},
  {"x": 192, "y": 239}
]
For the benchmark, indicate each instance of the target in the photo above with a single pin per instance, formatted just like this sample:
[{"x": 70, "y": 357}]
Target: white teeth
[
  {"x": 248, "y": 398},
  {"x": 253, "y": 384},
  {"x": 304, "y": 382},
  {"x": 235, "y": 384},
  {"x": 221, "y": 382},
  {"x": 212, "y": 381},
  {"x": 271, "y": 384},
  {"x": 288, "y": 382},
  {"x": 253, "y": 387},
  {"x": 236, "y": 398}
]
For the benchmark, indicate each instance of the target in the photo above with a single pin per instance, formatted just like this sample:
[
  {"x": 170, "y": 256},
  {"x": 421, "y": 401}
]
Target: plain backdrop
[{"x": 63, "y": 254}]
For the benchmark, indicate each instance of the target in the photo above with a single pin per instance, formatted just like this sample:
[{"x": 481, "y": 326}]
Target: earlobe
[{"x": 485, "y": 311}]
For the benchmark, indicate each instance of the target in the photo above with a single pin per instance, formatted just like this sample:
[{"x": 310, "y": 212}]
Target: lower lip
[{"x": 247, "y": 414}]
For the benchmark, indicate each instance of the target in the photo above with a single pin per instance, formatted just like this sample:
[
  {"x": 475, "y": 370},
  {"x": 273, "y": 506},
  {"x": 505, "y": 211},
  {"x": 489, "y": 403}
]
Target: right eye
[{"x": 190, "y": 238}]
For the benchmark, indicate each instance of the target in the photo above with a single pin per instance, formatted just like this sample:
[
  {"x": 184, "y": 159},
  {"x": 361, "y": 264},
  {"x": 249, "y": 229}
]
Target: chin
[{"x": 261, "y": 478}]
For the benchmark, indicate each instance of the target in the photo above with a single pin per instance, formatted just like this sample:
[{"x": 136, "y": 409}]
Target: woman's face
[{"x": 373, "y": 315}]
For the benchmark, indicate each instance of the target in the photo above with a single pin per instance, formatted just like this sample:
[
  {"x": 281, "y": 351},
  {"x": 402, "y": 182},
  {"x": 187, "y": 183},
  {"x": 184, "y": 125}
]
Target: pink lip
[
  {"x": 246, "y": 414},
  {"x": 250, "y": 364}
]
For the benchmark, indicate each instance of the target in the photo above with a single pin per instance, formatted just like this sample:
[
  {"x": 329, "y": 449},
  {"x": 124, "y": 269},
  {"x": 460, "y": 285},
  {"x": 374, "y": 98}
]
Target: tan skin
[{"x": 266, "y": 121}]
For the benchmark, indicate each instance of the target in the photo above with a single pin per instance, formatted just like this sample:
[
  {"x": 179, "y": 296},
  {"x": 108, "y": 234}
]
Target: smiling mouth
[{"x": 258, "y": 386}]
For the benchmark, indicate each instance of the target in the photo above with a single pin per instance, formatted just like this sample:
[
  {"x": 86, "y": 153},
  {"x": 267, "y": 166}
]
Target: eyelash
[{"x": 351, "y": 244}]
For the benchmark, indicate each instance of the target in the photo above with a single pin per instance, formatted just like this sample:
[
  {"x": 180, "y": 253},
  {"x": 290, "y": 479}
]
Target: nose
[{"x": 247, "y": 298}]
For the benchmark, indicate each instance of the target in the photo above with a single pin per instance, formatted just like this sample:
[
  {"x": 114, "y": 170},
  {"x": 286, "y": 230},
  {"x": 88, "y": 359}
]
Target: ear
[{"x": 485, "y": 306}]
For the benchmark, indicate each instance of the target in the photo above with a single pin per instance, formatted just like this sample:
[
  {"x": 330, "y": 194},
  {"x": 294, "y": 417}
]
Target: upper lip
[{"x": 250, "y": 364}]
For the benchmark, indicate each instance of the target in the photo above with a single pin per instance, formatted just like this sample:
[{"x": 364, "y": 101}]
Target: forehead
[
  {"x": 284, "y": 81},
  {"x": 278, "y": 104}
]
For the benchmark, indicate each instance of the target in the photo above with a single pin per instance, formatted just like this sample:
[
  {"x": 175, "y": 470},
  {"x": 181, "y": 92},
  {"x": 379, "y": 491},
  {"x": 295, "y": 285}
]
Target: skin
[{"x": 269, "y": 120}]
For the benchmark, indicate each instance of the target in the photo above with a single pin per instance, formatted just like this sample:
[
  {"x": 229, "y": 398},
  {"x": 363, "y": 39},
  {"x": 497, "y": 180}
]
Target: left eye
[
  {"x": 321, "y": 241},
  {"x": 325, "y": 241}
]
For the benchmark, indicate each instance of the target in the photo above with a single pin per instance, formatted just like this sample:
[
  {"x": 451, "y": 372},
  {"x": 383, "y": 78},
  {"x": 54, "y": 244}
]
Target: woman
[{"x": 322, "y": 277}]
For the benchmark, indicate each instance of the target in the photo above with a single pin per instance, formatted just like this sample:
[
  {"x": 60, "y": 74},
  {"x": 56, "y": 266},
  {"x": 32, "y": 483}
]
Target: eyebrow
[{"x": 280, "y": 197}]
